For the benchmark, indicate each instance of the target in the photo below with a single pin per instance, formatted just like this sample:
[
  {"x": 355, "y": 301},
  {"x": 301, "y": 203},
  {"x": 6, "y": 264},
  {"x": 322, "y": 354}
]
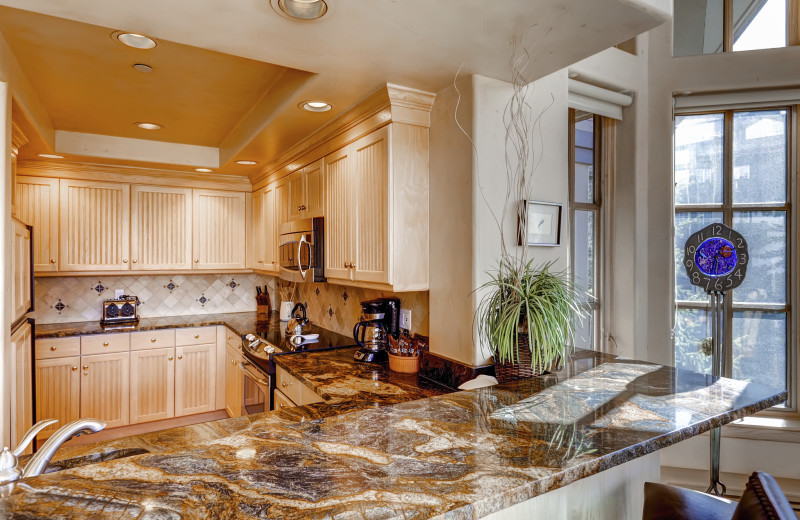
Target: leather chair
[{"x": 762, "y": 499}]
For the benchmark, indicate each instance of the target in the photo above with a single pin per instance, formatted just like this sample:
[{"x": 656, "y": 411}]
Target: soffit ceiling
[{"x": 342, "y": 58}]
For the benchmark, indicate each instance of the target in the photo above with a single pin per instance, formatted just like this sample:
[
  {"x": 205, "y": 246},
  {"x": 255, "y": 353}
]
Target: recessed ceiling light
[
  {"x": 137, "y": 41},
  {"x": 203, "y": 170},
  {"x": 50, "y": 156},
  {"x": 301, "y": 9},
  {"x": 149, "y": 126},
  {"x": 315, "y": 106},
  {"x": 141, "y": 67},
  {"x": 247, "y": 163}
]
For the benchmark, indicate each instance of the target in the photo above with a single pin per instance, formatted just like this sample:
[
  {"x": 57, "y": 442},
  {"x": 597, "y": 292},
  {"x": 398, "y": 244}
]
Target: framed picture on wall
[{"x": 542, "y": 224}]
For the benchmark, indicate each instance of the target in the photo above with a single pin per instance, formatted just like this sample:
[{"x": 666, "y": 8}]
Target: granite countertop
[{"x": 458, "y": 455}]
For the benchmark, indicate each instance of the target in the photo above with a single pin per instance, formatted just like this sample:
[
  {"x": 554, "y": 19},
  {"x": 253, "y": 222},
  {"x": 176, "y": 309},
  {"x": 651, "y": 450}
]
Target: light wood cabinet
[
  {"x": 259, "y": 223},
  {"x": 21, "y": 384},
  {"x": 338, "y": 214},
  {"x": 234, "y": 381},
  {"x": 265, "y": 229},
  {"x": 195, "y": 379},
  {"x": 37, "y": 206},
  {"x": 58, "y": 390},
  {"x": 281, "y": 401},
  {"x": 95, "y": 226},
  {"x": 20, "y": 270},
  {"x": 152, "y": 385},
  {"x": 306, "y": 192},
  {"x": 296, "y": 186},
  {"x": 161, "y": 224},
  {"x": 282, "y": 203},
  {"x": 218, "y": 230},
  {"x": 293, "y": 389},
  {"x": 105, "y": 390}
]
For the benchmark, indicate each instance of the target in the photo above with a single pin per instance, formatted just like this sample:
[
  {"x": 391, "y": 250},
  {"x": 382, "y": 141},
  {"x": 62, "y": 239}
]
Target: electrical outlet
[{"x": 405, "y": 319}]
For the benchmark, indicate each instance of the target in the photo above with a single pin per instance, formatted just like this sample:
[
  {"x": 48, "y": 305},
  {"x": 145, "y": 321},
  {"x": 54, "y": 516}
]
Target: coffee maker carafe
[{"x": 379, "y": 319}]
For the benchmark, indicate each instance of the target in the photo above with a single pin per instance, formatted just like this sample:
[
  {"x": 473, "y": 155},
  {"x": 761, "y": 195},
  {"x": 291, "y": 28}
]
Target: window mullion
[{"x": 727, "y": 26}]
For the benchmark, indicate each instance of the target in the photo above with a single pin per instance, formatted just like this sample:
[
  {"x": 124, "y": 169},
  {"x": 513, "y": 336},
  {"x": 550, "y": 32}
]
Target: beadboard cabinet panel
[
  {"x": 296, "y": 186},
  {"x": 219, "y": 230},
  {"x": 58, "y": 390},
  {"x": 95, "y": 226},
  {"x": 20, "y": 270},
  {"x": 234, "y": 383},
  {"x": 371, "y": 256},
  {"x": 338, "y": 211},
  {"x": 259, "y": 223},
  {"x": 161, "y": 224},
  {"x": 21, "y": 384},
  {"x": 152, "y": 385},
  {"x": 314, "y": 190},
  {"x": 269, "y": 229},
  {"x": 37, "y": 206},
  {"x": 105, "y": 390},
  {"x": 195, "y": 379}
]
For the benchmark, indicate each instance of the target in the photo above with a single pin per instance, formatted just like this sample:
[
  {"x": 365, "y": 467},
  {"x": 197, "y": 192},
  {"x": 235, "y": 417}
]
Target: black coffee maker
[{"x": 380, "y": 318}]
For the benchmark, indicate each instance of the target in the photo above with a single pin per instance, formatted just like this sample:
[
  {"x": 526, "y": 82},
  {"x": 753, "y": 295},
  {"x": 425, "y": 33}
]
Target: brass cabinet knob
[
  {"x": 52, "y": 260},
  {"x": 124, "y": 260},
  {"x": 86, "y": 367},
  {"x": 346, "y": 265},
  {"x": 196, "y": 260},
  {"x": 52, "y": 348},
  {"x": 352, "y": 265},
  {"x": 134, "y": 260},
  {"x": 152, "y": 340},
  {"x": 284, "y": 383},
  {"x": 282, "y": 406},
  {"x": 74, "y": 369},
  {"x": 235, "y": 363},
  {"x": 180, "y": 357},
  {"x": 196, "y": 336},
  {"x": 105, "y": 343},
  {"x": 170, "y": 358}
]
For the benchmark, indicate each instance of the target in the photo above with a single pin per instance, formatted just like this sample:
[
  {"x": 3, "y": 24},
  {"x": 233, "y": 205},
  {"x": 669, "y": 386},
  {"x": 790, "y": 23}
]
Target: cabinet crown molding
[{"x": 18, "y": 138}]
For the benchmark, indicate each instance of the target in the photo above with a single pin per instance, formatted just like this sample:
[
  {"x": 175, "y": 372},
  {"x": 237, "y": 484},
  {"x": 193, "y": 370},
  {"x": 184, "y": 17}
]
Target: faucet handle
[{"x": 30, "y": 434}]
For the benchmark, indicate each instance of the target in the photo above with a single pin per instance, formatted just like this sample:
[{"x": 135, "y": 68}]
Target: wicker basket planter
[{"x": 522, "y": 369}]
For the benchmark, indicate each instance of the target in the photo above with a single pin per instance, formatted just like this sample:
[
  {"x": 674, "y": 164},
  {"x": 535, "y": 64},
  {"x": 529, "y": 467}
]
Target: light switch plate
[{"x": 405, "y": 319}]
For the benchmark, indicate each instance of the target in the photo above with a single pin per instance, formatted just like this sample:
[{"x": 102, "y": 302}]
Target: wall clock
[{"x": 716, "y": 258}]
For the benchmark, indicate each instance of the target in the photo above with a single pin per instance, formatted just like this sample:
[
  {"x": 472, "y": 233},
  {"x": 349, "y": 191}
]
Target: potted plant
[{"x": 527, "y": 317}]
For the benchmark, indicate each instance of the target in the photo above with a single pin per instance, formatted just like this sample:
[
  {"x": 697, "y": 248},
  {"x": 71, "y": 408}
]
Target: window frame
[
  {"x": 595, "y": 306},
  {"x": 728, "y": 208}
]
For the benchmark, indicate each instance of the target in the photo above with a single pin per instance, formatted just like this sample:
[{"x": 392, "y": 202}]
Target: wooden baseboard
[{"x": 138, "y": 429}]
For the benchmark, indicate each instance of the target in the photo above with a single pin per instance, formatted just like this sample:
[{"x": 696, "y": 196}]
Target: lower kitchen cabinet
[
  {"x": 58, "y": 387},
  {"x": 21, "y": 391},
  {"x": 234, "y": 390},
  {"x": 281, "y": 401},
  {"x": 195, "y": 379},
  {"x": 152, "y": 385},
  {"x": 105, "y": 391}
]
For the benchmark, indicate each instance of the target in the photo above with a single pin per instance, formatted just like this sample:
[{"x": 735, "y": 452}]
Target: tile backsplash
[
  {"x": 80, "y": 298},
  {"x": 338, "y": 307}
]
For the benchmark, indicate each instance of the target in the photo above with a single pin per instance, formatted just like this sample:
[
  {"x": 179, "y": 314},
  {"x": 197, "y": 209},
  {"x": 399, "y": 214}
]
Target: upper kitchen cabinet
[
  {"x": 20, "y": 270},
  {"x": 37, "y": 206},
  {"x": 95, "y": 226},
  {"x": 219, "y": 229},
  {"x": 306, "y": 195},
  {"x": 265, "y": 229},
  {"x": 161, "y": 223}
]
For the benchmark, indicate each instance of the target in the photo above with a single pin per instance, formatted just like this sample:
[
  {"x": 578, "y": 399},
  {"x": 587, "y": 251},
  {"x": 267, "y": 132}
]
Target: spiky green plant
[{"x": 523, "y": 298}]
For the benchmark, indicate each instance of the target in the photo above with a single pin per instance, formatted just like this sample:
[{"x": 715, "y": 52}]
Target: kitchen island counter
[{"x": 460, "y": 455}]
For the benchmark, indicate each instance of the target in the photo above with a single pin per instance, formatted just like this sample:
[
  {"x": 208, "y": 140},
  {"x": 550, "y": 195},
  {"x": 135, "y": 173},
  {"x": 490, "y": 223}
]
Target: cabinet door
[
  {"x": 281, "y": 401},
  {"x": 95, "y": 226},
  {"x": 269, "y": 228},
  {"x": 297, "y": 190},
  {"x": 195, "y": 379},
  {"x": 21, "y": 387},
  {"x": 234, "y": 383},
  {"x": 58, "y": 390},
  {"x": 37, "y": 206},
  {"x": 219, "y": 229},
  {"x": 338, "y": 214},
  {"x": 282, "y": 203},
  {"x": 371, "y": 239},
  {"x": 105, "y": 393},
  {"x": 152, "y": 385},
  {"x": 20, "y": 271},
  {"x": 258, "y": 230},
  {"x": 315, "y": 191},
  {"x": 161, "y": 224}
]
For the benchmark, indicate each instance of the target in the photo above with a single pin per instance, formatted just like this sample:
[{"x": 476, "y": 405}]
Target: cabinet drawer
[
  {"x": 294, "y": 389},
  {"x": 105, "y": 343},
  {"x": 47, "y": 348},
  {"x": 281, "y": 401},
  {"x": 195, "y": 336},
  {"x": 152, "y": 339}
]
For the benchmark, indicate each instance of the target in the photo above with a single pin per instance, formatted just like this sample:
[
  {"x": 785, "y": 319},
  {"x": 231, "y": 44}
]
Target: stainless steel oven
[
  {"x": 253, "y": 385},
  {"x": 301, "y": 251}
]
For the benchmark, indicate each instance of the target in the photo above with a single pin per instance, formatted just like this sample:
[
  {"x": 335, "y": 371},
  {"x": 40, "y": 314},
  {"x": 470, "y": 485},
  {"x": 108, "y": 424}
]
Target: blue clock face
[{"x": 716, "y": 256}]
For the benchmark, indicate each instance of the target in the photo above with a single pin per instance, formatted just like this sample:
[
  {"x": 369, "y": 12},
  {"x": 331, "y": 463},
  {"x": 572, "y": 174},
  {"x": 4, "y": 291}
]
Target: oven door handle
[{"x": 252, "y": 374}]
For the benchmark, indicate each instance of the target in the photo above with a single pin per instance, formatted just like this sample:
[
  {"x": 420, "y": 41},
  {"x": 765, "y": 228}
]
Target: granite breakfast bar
[{"x": 468, "y": 454}]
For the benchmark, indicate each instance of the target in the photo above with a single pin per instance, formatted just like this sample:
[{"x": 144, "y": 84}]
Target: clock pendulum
[{"x": 716, "y": 259}]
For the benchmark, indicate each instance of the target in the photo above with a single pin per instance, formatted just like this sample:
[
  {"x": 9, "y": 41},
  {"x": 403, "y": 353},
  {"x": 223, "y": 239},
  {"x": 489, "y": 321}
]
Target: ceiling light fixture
[
  {"x": 247, "y": 163},
  {"x": 137, "y": 41},
  {"x": 303, "y": 10},
  {"x": 203, "y": 170},
  {"x": 149, "y": 126},
  {"x": 315, "y": 106},
  {"x": 141, "y": 67},
  {"x": 50, "y": 156}
]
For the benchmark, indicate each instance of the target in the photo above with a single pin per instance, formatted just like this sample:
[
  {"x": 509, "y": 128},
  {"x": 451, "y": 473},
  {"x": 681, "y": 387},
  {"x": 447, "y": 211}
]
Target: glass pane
[
  {"x": 765, "y": 232},
  {"x": 759, "y": 24},
  {"x": 759, "y": 348},
  {"x": 584, "y": 250},
  {"x": 584, "y": 159},
  {"x": 698, "y": 159},
  {"x": 584, "y": 332},
  {"x": 697, "y": 27},
  {"x": 685, "y": 225},
  {"x": 693, "y": 340},
  {"x": 759, "y": 156}
]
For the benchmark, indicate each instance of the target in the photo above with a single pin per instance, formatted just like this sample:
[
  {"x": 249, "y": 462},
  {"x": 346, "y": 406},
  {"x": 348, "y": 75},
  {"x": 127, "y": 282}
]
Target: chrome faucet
[{"x": 9, "y": 460}]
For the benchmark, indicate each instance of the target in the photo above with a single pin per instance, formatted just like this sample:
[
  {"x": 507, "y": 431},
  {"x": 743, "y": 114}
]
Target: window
[
  {"x": 585, "y": 217},
  {"x": 733, "y": 167},
  {"x": 711, "y": 26}
]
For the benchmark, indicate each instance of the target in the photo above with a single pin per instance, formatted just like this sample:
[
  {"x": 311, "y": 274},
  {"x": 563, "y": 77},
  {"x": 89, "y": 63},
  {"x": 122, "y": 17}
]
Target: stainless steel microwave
[{"x": 301, "y": 250}]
